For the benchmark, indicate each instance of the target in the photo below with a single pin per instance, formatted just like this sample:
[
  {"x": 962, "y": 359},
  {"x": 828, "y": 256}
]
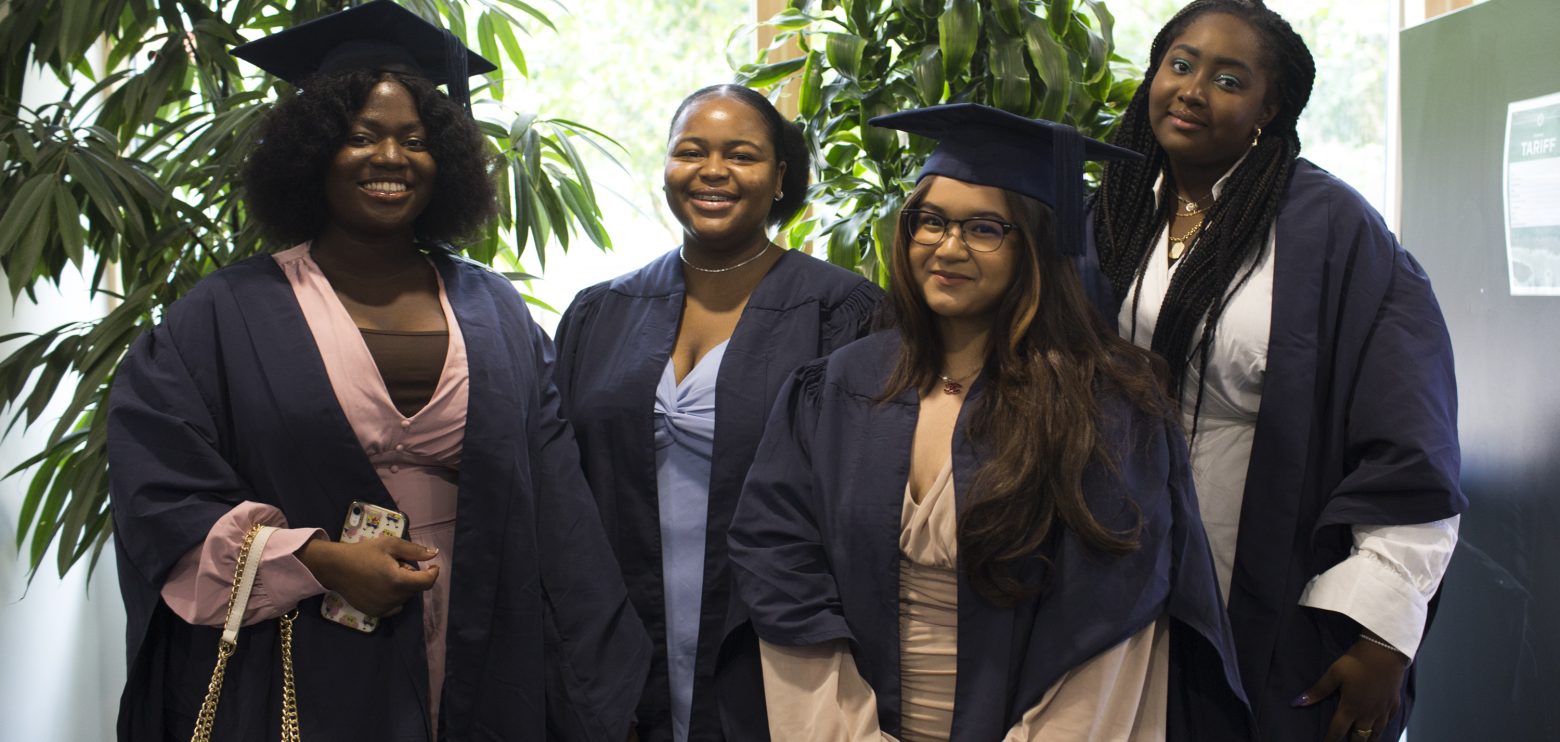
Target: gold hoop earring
[{"x": 1257, "y": 138}]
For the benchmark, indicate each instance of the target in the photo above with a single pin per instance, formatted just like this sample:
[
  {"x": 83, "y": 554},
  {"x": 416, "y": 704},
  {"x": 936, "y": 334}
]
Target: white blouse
[{"x": 1392, "y": 571}]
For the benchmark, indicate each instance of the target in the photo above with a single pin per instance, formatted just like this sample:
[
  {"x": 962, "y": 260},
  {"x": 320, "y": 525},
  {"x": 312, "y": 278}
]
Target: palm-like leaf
[{"x": 135, "y": 176}]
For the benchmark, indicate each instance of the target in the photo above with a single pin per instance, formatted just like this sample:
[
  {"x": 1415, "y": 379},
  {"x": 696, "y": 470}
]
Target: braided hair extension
[{"x": 1127, "y": 221}]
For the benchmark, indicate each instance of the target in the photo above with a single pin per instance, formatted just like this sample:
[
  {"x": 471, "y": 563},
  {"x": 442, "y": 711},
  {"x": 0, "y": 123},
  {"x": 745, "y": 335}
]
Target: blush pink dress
[{"x": 417, "y": 458}]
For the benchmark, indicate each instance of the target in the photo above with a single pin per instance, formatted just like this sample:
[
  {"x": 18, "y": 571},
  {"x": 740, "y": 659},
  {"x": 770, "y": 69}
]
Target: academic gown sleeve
[
  {"x": 778, "y": 559},
  {"x": 169, "y": 484},
  {"x": 598, "y": 651},
  {"x": 1401, "y": 447},
  {"x": 168, "y": 480},
  {"x": 1401, "y": 454},
  {"x": 853, "y": 318}
]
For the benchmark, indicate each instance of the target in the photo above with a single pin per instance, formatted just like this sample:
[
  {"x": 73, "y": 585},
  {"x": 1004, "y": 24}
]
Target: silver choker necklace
[{"x": 683, "y": 256}]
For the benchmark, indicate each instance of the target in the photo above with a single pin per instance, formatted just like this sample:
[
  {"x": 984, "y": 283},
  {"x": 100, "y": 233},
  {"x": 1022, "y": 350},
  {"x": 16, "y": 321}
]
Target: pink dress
[{"x": 417, "y": 458}]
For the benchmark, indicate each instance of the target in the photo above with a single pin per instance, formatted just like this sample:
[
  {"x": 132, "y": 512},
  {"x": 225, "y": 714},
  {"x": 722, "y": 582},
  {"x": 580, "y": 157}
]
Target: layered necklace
[{"x": 1179, "y": 244}]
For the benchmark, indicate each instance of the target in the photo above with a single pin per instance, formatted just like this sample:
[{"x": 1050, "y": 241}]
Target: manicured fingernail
[
  {"x": 431, "y": 550},
  {"x": 1300, "y": 700}
]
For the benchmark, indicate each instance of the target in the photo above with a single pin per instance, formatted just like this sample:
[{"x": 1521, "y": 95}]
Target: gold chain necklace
[{"x": 1179, "y": 245}]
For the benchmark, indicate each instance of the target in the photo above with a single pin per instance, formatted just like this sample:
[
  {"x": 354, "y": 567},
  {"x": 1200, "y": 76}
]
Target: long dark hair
[
  {"x": 1127, "y": 221},
  {"x": 789, "y": 142},
  {"x": 1051, "y": 359}
]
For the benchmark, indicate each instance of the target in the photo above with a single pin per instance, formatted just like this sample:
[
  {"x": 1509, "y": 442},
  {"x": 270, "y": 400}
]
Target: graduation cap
[
  {"x": 986, "y": 146},
  {"x": 375, "y": 36}
]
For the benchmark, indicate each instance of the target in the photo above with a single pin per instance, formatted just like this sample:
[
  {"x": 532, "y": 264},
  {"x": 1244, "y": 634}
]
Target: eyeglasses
[{"x": 980, "y": 234}]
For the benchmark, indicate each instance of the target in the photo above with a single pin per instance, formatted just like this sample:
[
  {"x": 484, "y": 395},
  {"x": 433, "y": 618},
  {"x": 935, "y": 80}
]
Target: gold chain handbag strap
[{"x": 249, "y": 555}]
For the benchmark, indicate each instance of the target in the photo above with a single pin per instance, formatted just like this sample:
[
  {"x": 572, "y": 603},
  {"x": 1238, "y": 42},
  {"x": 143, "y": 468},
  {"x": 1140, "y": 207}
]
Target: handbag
[{"x": 243, "y": 582}]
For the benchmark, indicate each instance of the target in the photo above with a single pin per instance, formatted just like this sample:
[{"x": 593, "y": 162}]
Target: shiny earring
[
  {"x": 779, "y": 195},
  {"x": 1256, "y": 138}
]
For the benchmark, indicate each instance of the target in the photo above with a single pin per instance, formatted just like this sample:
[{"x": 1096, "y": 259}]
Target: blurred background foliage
[
  {"x": 1052, "y": 59},
  {"x": 130, "y": 177}
]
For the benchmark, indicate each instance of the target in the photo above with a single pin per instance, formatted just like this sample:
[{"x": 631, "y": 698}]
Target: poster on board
[{"x": 1532, "y": 196}]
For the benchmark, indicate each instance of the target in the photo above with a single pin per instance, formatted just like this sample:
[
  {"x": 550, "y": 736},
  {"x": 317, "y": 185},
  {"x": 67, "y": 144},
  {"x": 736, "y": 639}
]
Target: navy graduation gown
[
  {"x": 815, "y": 552},
  {"x": 1358, "y": 426},
  {"x": 613, "y": 343},
  {"x": 228, "y": 400}
]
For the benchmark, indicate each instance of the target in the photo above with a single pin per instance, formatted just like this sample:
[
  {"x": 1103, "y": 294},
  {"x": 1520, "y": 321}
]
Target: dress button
[
  {"x": 400, "y": 447},
  {"x": 406, "y": 424},
  {"x": 395, "y": 468}
]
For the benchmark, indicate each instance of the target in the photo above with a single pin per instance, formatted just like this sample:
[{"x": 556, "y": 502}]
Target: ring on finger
[{"x": 1363, "y": 733}]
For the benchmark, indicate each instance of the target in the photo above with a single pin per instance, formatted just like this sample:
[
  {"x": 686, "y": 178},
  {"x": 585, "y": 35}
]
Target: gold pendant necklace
[
  {"x": 1192, "y": 209},
  {"x": 1179, "y": 245}
]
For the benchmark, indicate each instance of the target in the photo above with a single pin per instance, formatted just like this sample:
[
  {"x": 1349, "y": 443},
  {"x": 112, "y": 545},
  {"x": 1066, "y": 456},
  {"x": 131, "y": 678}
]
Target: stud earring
[{"x": 779, "y": 195}]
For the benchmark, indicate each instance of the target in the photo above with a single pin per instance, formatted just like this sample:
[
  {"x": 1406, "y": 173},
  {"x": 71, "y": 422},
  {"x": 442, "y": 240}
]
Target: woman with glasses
[
  {"x": 666, "y": 374},
  {"x": 979, "y": 525}
]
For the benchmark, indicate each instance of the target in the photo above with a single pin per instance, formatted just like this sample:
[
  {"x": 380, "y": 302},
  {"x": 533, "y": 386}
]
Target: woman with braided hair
[{"x": 1312, "y": 366}]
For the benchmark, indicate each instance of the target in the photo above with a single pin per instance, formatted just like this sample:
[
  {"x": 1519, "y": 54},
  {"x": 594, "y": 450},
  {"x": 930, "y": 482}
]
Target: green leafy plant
[
  {"x": 131, "y": 176},
  {"x": 1049, "y": 59}
]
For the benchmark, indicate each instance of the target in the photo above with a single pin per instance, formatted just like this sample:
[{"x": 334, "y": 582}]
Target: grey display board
[{"x": 1490, "y": 669}]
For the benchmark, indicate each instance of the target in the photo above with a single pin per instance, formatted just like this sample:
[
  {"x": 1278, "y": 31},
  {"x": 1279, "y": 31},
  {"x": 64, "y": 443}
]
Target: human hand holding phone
[{"x": 371, "y": 575}]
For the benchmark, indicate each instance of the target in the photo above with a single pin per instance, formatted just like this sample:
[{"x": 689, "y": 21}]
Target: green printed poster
[{"x": 1532, "y": 183}]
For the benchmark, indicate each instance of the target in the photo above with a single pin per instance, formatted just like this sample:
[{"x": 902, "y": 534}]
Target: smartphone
[{"x": 364, "y": 521}]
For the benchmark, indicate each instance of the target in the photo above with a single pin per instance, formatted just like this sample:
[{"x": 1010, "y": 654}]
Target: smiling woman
[
  {"x": 287, "y": 175},
  {"x": 667, "y": 373},
  {"x": 1009, "y": 559},
  {"x": 364, "y": 368},
  {"x": 723, "y": 180},
  {"x": 1326, "y": 466},
  {"x": 383, "y": 176}
]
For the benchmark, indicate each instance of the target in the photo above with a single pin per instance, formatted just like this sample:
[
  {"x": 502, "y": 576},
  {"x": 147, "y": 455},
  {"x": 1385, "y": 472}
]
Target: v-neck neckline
[
  {"x": 365, "y": 358},
  {"x": 718, "y": 352}
]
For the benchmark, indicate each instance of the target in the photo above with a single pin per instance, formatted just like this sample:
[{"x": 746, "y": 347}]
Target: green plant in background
[
  {"x": 131, "y": 176},
  {"x": 1049, "y": 59}
]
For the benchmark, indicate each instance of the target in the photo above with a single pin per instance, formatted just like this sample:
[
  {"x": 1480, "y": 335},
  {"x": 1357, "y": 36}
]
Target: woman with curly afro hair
[
  {"x": 314, "y": 403},
  {"x": 1311, "y": 363}
]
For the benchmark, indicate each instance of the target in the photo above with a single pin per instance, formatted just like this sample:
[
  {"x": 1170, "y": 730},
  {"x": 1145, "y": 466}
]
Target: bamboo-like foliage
[
  {"x": 1048, "y": 59},
  {"x": 133, "y": 174}
]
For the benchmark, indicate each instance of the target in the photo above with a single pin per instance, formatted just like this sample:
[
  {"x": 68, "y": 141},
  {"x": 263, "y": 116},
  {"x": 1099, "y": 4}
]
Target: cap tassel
[
  {"x": 1067, "y": 154},
  {"x": 455, "y": 63}
]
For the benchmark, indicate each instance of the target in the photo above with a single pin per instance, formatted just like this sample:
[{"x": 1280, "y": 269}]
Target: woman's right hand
[{"x": 371, "y": 575}]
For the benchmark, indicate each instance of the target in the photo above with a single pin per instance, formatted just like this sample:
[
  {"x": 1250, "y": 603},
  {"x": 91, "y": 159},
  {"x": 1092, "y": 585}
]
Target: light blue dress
[{"x": 684, "y": 444}]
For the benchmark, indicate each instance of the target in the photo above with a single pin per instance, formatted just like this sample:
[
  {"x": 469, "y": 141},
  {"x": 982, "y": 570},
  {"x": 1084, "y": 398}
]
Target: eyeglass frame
[{"x": 1007, "y": 229}]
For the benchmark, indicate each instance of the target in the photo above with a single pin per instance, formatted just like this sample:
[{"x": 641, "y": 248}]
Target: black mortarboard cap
[
  {"x": 374, "y": 36},
  {"x": 991, "y": 147}
]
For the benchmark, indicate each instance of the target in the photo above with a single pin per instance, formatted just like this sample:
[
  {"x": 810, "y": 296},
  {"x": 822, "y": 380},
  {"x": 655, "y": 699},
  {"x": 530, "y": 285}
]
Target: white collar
[{"x": 1218, "y": 185}]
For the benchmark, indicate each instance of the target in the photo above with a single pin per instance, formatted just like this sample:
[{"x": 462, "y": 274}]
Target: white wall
[{"x": 62, "y": 640}]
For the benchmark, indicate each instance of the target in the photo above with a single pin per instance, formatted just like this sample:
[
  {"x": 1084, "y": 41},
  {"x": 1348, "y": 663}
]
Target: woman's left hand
[{"x": 1367, "y": 679}]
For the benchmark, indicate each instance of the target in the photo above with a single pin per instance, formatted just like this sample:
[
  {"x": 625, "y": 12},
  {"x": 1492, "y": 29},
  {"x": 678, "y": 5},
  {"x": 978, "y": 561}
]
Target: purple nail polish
[{"x": 1300, "y": 700}]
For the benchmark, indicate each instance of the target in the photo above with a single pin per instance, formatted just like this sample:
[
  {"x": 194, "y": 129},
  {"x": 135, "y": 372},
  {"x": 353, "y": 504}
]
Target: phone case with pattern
[{"x": 364, "y": 521}]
